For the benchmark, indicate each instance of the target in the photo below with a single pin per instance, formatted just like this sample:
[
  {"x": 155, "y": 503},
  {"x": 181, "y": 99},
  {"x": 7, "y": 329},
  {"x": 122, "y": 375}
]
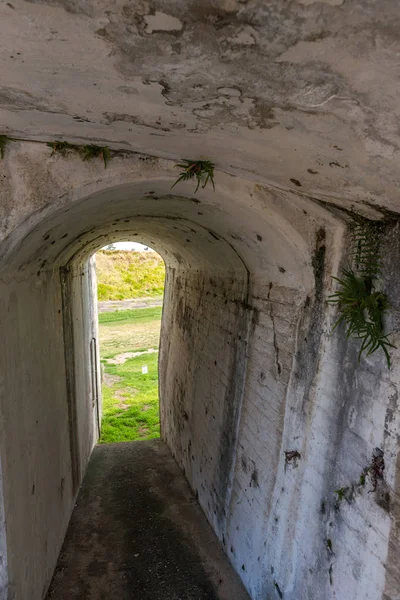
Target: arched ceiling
[
  {"x": 240, "y": 226},
  {"x": 214, "y": 231},
  {"x": 302, "y": 94}
]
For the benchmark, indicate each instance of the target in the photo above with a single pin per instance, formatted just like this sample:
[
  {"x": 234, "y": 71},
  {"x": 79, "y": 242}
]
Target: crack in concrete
[{"x": 275, "y": 342}]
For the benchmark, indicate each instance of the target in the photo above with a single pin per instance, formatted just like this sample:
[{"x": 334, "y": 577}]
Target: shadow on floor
[{"x": 137, "y": 532}]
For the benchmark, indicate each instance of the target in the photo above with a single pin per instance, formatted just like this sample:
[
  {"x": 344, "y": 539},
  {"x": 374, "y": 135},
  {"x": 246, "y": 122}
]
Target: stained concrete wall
[
  {"x": 202, "y": 372},
  {"x": 233, "y": 342},
  {"x": 48, "y": 427},
  {"x": 248, "y": 370},
  {"x": 48, "y": 420},
  {"x": 3, "y": 548},
  {"x": 296, "y": 103},
  {"x": 37, "y": 477},
  {"x": 80, "y": 326},
  {"x": 298, "y": 389}
]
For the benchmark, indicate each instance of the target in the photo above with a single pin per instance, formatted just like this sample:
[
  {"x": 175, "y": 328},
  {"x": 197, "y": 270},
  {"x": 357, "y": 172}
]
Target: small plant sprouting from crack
[
  {"x": 91, "y": 151},
  {"x": 278, "y": 589},
  {"x": 4, "y": 140},
  {"x": 63, "y": 148},
  {"x": 329, "y": 546},
  {"x": 342, "y": 493},
  {"x": 362, "y": 307},
  {"x": 375, "y": 471},
  {"x": 201, "y": 170},
  {"x": 86, "y": 152}
]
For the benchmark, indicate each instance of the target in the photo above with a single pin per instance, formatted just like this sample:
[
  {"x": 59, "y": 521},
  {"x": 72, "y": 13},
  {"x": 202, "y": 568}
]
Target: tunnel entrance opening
[{"x": 130, "y": 288}]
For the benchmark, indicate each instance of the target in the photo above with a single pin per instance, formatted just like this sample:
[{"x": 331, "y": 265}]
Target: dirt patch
[
  {"x": 123, "y": 406},
  {"x": 143, "y": 430},
  {"x": 129, "y": 336},
  {"x": 111, "y": 379},
  {"x": 123, "y": 395},
  {"x": 146, "y": 407},
  {"x": 112, "y": 305},
  {"x": 123, "y": 357}
]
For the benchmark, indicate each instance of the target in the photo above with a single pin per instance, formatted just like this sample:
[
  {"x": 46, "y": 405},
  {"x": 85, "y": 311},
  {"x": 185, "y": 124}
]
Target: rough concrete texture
[
  {"x": 297, "y": 105},
  {"x": 135, "y": 500},
  {"x": 248, "y": 368},
  {"x": 3, "y": 548},
  {"x": 276, "y": 91}
]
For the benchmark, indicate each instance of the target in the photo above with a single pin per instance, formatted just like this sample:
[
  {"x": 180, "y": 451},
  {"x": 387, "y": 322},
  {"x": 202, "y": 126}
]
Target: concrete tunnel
[{"x": 249, "y": 367}]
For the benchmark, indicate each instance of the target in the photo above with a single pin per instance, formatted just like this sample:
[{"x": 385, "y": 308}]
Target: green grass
[
  {"x": 123, "y": 275},
  {"x": 130, "y": 399},
  {"x": 130, "y": 404},
  {"x": 132, "y": 316},
  {"x": 130, "y": 335}
]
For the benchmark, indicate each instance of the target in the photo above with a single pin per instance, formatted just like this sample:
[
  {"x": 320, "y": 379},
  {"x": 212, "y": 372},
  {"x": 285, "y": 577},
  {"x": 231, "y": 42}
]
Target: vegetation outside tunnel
[
  {"x": 125, "y": 275},
  {"x": 129, "y": 341},
  {"x": 130, "y": 401}
]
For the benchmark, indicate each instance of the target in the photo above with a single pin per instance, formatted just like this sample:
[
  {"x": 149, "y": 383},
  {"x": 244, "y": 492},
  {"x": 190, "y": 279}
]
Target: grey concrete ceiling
[
  {"x": 67, "y": 209},
  {"x": 299, "y": 94}
]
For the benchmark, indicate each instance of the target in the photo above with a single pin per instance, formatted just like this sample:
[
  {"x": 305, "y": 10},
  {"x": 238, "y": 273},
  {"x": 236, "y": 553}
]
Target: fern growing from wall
[
  {"x": 361, "y": 305},
  {"x": 200, "y": 170}
]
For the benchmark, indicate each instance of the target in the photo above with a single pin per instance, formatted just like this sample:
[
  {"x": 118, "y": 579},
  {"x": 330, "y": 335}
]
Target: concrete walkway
[{"x": 138, "y": 533}]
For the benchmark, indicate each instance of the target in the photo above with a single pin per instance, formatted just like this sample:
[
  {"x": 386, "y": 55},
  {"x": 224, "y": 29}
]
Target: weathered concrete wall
[
  {"x": 297, "y": 104},
  {"x": 37, "y": 477},
  {"x": 301, "y": 390},
  {"x": 47, "y": 418},
  {"x": 248, "y": 370},
  {"x": 336, "y": 421},
  {"x": 3, "y": 547},
  {"x": 281, "y": 93},
  {"x": 271, "y": 350},
  {"x": 202, "y": 372},
  {"x": 82, "y": 362}
]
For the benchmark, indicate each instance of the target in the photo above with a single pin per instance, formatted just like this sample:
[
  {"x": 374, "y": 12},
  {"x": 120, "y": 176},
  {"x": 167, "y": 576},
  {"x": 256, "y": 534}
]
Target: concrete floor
[{"x": 137, "y": 532}]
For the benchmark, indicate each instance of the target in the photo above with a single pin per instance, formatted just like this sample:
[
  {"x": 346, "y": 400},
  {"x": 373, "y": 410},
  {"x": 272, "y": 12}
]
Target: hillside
[{"x": 122, "y": 275}]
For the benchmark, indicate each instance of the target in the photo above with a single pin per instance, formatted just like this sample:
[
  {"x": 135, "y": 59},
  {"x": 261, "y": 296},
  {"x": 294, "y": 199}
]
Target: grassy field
[
  {"x": 123, "y": 275},
  {"x": 129, "y": 330},
  {"x": 130, "y": 398},
  {"x": 130, "y": 401}
]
